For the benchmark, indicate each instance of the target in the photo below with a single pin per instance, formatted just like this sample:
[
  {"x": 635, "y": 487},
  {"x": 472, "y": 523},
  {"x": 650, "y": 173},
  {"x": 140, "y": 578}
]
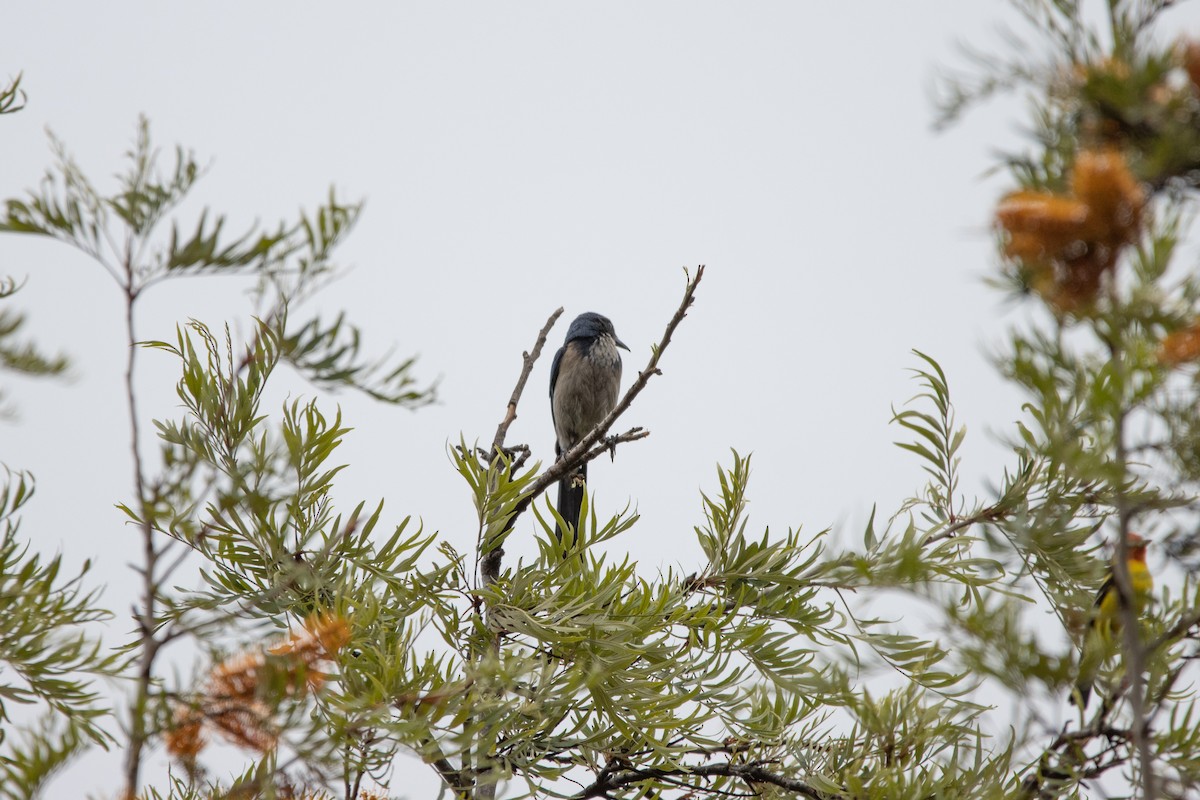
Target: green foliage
[
  {"x": 748, "y": 656},
  {"x": 328, "y": 354},
  {"x": 29, "y": 764},
  {"x": 252, "y": 501},
  {"x": 121, "y": 232},
  {"x": 1110, "y": 381},
  {"x": 937, "y": 443},
  {"x": 48, "y": 660},
  {"x": 12, "y": 98},
  {"x": 268, "y": 530},
  {"x": 259, "y": 515},
  {"x": 22, "y": 357},
  {"x": 41, "y": 621},
  {"x": 579, "y": 663}
]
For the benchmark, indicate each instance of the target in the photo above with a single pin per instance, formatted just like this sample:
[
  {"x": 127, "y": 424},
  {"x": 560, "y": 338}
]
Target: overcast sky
[{"x": 519, "y": 157}]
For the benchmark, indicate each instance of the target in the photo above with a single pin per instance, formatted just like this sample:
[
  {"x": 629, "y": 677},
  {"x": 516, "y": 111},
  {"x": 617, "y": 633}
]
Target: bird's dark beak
[{"x": 620, "y": 344}]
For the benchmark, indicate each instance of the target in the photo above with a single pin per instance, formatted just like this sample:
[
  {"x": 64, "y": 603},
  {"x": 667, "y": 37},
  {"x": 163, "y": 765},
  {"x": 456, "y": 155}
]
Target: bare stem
[
  {"x": 992, "y": 513},
  {"x": 138, "y": 734},
  {"x": 529, "y": 359},
  {"x": 1135, "y": 651}
]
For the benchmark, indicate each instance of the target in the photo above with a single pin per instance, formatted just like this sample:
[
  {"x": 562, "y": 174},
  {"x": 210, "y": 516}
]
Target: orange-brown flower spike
[
  {"x": 1190, "y": 58},
  {"x": 1181, "y": 346},
  {"x": 323, "y": 636},
  {"x": 185, "y": 739},
  {"x": 231, "y": 704},
  {"x": 246, "y": 726},
  {"x": 331, "y": 630},
  {"x": 236, "y": 678},
  {"x": 1067, "y": 243},
  {"x": 1040, "y": 225},
  {"x": 1102, "y": 180},
  {"x": 1077, "y": 285}
]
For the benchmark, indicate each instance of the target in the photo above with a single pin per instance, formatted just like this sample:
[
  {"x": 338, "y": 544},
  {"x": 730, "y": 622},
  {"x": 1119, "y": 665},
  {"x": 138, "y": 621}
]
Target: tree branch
[
  {"x": 752, "y": 773},
  {"x": 1079, "y": 766},
  {"x": 147, "y": 615},
  {"x": 451, "y": 777},
  {"x": 1127, "y": 610},
  {"x": 529, "y": 359},
  {"x": 993, "y": 513}
]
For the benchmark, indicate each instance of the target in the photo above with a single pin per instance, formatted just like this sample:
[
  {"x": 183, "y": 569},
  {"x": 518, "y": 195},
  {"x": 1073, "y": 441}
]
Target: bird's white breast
[{"x": 604, "y": 353}]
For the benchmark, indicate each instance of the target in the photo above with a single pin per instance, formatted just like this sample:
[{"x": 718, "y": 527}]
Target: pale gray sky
[{"x": 518, "y": 157}]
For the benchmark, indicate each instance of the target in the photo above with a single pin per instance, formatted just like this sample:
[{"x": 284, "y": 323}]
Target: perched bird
[
  {"x": 584, "y": 380},
  {"x": 1105, "y": 622}
]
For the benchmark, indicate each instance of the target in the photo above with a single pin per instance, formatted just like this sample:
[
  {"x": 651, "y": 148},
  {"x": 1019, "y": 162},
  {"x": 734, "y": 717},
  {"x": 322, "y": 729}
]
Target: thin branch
[
  {"x": 489, "y": 565},
  {"x": 1073, "y": 743},
  {"x": 754, "y": 773},
  {"x": 522, "y": 452},
  {"x": 1127, "y": 609},
  {"x": 992, "y": 513},
  {"x": 138, "y": 734},
  {"x": 529, "y": 359},
  {"x": 455, "y": 781}
]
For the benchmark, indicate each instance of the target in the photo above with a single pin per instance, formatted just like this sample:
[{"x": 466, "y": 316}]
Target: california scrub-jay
[{"x": 584, "y": 380}]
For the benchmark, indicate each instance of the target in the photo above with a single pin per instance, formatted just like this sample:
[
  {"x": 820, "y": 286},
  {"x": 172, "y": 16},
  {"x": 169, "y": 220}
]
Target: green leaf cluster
[{"x": 49, "y": 660}]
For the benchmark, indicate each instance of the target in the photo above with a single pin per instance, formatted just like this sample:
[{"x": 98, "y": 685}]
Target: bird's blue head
[{"x": 591, "y": 325}]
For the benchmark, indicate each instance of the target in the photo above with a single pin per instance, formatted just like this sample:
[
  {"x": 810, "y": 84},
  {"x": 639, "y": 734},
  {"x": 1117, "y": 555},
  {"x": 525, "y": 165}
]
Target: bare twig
[
  {"x": 520, "y": 453},
  {"x": 529, "y": 358},
  {"x": 147, "y": 615},
  {"x": 992, "y": 513},
  {"x": 489, "y": 564},
  {"x": 1127, "y": 610}
]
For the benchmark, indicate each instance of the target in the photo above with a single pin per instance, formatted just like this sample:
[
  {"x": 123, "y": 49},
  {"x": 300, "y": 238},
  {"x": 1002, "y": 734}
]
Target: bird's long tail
[
  {"x": 1083, "y": 690},
  {"x": 1095, "y": 645},
  {"x": 570, "y": 498}
]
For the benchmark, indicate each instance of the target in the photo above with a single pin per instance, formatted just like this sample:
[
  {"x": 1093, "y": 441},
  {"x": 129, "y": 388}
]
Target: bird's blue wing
[
  {"x": 553, "y": 381},
  {"x": 554, "y": 371}
]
